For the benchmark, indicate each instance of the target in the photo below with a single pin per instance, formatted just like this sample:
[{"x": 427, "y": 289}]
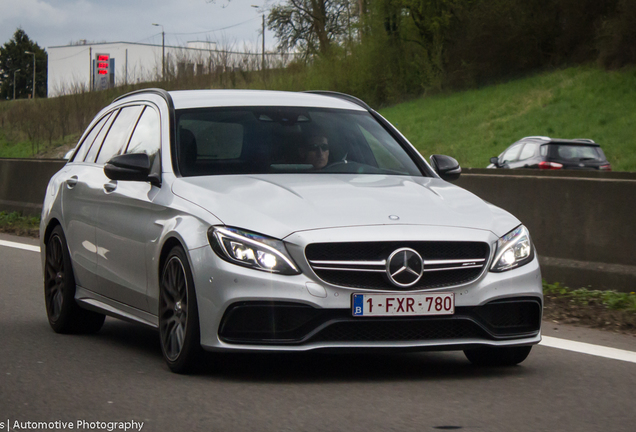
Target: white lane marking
[
  {"x": 20, "y": 246},
  {"x": 586, "y": 348}
]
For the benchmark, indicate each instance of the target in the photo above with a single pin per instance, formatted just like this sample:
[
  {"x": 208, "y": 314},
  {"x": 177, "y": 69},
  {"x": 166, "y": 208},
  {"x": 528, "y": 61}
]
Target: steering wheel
[{"x": 338, "y": 162}]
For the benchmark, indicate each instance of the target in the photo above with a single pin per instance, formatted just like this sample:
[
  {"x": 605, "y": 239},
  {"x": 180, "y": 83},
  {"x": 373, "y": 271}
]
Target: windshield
[{"x": 259, "y": 140}]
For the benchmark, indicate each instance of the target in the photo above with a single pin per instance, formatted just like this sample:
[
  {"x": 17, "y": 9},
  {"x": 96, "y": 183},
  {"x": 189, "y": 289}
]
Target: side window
[
  {"x": 528, "y": 151},
  {"x": 97, "y": 144},
  {"x": 146, "y": 137},
  {"x": 511, "y": 154},
  {"x": 119, "y": 132},
  {"x": 544, "y": 150},
  {"x": 86, "y": 144}
]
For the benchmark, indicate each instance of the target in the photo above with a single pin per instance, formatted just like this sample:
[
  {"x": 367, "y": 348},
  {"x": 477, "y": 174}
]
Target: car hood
[{"x": 280, "y": 204}]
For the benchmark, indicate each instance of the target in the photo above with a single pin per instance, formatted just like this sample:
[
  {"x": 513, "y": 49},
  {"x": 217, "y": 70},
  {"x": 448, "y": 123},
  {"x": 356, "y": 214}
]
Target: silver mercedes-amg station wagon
[{"x": 261, "y": 221}]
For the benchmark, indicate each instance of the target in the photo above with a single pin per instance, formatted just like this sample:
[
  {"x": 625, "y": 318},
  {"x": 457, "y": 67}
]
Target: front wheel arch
[
  {"x": 168, "y": 245},
  {"x": 49, "y": 229}
]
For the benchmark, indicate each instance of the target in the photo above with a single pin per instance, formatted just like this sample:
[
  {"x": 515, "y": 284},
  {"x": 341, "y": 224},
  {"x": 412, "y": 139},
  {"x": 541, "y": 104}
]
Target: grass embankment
[
  {"x": 24, "y": 149},
  {"x": 474, "y": 125},
  {"x": 610, "y": 310},
  {"x": 15, "y": 223}
]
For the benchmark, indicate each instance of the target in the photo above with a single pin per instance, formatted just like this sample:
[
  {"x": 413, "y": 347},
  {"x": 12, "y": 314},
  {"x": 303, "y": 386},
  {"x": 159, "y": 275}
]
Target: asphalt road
[{"x": 119, "y": 375}]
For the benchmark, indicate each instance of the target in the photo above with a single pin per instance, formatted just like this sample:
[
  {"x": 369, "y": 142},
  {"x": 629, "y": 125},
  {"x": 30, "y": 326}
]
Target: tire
[
  {"x": 65, "y": 316},
  {"x": 178, "y": 314},
  {"x": 504, "y": 356}
]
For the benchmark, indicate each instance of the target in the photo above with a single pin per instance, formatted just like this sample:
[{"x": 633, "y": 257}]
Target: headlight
[
  {"x": 513, "y": 250},
  {"x": 251, "y": 250}
]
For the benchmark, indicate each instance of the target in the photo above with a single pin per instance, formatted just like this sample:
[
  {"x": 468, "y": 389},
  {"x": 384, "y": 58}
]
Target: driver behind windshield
[{"x": 315, "y": 151}]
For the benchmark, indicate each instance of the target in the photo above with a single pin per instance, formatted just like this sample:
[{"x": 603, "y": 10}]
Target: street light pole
[
  {"x": 263, "y": 40},
  {"x": 29, "y": 52},
  {"x": 163, "y": 51},
  {"x": 15, "y": 72}
]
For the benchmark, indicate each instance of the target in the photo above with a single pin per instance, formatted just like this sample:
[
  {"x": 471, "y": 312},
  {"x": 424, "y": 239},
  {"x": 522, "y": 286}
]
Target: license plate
[{"x": 403, "y": 304}]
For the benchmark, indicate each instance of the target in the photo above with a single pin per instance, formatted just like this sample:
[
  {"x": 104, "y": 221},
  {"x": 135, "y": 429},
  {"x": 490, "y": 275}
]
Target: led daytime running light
[
  {"x": 257, "y": 260},
  {"x": 513, "y": 250}
]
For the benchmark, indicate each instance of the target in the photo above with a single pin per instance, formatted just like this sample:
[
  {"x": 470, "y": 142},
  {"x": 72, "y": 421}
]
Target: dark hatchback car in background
[{"x": 552, "y": 154}]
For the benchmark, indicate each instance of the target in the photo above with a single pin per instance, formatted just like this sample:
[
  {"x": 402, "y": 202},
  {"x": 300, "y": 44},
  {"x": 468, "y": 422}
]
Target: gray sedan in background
[{"x": 258, "y": 220}]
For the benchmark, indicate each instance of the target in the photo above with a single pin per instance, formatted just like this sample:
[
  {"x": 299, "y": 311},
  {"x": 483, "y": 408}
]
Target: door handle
[
  {"x": 110, "y": 187},
  {"x": 71, "y": 182}
]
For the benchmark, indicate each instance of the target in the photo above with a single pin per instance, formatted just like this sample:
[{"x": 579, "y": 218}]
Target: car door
[
  {"x": 80, "y": 202},
  {"x": 125, "y": 228},
  {"x": 91, "y": 181}
]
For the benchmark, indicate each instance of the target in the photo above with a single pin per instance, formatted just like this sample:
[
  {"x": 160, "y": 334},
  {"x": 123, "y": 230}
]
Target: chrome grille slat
[
  {"x": 435, "y": 262},
  {"x": 349, "y": 269},
  {"x": 370, "y": 263},
  {"x": 451, "y": 268}
]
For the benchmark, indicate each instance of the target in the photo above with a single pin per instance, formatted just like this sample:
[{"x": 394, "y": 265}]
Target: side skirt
[{"x": 98, "y": 303}]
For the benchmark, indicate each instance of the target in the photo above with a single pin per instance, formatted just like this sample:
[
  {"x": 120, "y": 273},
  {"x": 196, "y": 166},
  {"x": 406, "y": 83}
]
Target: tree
[
  {"x": 310, "y": 25},
  {"x": 14, "y": 57},
  {"x": 433, "y": 19}
]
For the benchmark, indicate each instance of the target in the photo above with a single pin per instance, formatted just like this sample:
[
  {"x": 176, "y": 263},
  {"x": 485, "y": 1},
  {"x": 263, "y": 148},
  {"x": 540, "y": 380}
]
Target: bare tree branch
[{"x": 310, "y": 25}]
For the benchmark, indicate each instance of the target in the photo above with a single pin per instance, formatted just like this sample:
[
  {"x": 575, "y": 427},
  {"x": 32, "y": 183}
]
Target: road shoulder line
[
  {"x": 22, "y": 246},
  {"x": 586, "y": 348}
]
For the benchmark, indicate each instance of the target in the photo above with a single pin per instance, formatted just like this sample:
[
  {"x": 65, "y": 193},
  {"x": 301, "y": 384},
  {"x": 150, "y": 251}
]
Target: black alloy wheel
[
  {"x": 54, "y": 279},
  {"x": 178, "y": 314},
  {"x": 65, "y": 316},
  {"x": 498, "y": 356}
]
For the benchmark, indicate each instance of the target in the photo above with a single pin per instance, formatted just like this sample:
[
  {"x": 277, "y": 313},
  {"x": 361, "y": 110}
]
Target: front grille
[{"x": 363, "y": 264}]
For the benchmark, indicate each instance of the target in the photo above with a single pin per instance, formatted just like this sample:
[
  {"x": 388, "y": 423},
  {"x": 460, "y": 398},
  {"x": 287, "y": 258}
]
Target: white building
[{"x": 70, "y": 67}]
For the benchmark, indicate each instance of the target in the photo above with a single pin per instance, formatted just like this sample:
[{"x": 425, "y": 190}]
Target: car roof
[
  {"x": 548, "y": 140},
  {"x": 184, "y": 99}
]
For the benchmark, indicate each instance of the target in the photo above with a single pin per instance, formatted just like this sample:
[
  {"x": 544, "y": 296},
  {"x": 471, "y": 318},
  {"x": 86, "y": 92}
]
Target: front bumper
[
  {"x": 278, "y": 323},
  {"x": 247, "y": 310}
]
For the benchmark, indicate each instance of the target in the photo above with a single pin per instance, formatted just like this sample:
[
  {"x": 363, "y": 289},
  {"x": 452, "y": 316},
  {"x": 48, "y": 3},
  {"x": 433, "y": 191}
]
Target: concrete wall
[
  {"x": 23, "y": 183},
  {"x": 582, "y": 223}
]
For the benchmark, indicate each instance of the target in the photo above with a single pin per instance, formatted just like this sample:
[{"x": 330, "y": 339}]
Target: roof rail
[
  {"x": 538, "y": 137},
  {"x": 158, "y": 91},
  {"x": 585, "y": 140},
  {"x": 343, "y": 96}
]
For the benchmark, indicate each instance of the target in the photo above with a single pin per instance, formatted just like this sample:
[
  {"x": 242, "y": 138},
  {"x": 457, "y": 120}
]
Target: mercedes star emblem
[{"x": 404, "y": 267}]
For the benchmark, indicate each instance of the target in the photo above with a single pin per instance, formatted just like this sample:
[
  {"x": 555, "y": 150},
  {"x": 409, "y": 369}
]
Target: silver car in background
[{"x": 260, "y": 221}]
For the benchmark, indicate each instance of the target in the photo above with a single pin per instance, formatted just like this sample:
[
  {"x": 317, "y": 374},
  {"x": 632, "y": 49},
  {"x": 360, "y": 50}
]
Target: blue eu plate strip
[{"x": 358, "y": 304}]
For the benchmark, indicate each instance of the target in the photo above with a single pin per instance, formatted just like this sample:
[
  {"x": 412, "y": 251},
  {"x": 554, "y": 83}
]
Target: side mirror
[
  {"x": 133, "y": 166},
  {"x": 447, "y": 167},
  {"x": 495, "y": 161}
]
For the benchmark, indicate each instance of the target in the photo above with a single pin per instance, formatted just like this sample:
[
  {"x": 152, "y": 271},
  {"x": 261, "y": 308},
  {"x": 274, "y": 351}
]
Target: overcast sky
[{"x": 231, "y": 23}]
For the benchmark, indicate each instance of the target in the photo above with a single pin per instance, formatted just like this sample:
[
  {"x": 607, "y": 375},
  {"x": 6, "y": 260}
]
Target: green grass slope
[{"x": 474, "y": 125}]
